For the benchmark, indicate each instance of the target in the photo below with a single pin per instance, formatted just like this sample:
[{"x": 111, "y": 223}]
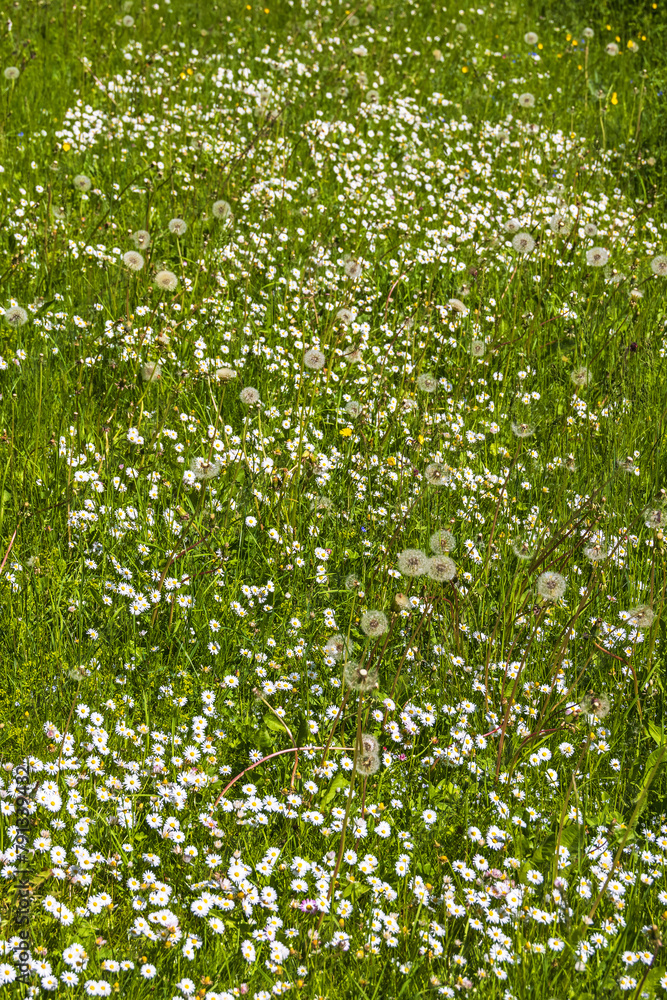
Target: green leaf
[
  {"x": 274, "y": 724},
  {"x": 546, "y": 848},
  {"x": 264, "y": 740},
  {"x": 658, "y": 753},
  {"x": 653, "y": 979},
  {"x": 658, "y": 734},
  {"x": 356, "y": 889},
  {"x": 303, "y": 734},
  {"x": 340, "y": 781}
]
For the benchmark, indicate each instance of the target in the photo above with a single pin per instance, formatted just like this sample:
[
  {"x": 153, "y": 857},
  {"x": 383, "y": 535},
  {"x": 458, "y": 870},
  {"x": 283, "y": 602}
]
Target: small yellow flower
[
  {"x": 66, "y": 146},
  {"x": 391, "y": 460},
  {"x": 346, "y": 432},
  {"x": 464, "y": 69},
  {"x": 614, "y": 98}
]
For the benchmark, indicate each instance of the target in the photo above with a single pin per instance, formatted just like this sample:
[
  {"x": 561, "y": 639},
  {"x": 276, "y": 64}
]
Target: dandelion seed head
[
  {"x": 597, "y": 705},
  {"x": 353, "y": 269},
  {"x": 204, "y": 468},
  {"x": 166, "y": 281},
  {"x": 581, "y": 377},
  {"x": 659, "y": 265},
  {"x": 437, "y": 474},
  {"x": 427, "y": 383},
  {"x": 522, "y": 430},
  {"x": 151, "y": 371},
  {"x": 597, "y": 552},
  {"x": 655, "y": 517},
  {"x": 338, "y": 646},
  {"x": 133, "y": 260},
  {"x": 442, "y": 542},
  {"x": 523, "y": 548},
  {"x": 221, "y": 209},
  {"x": 177, "y": 227},
  {"x": 523, "y": 243},
  {"x": 560, "y": 224},
  {"x": 12, "y": 73},
  {"x": 412, "y": 562},
  {"x": 642, "y": 616},
  {"x": 441, "y": 569},
  {"x": 82, "y": 183},
  {"x": 142, "y": 239},
  {"x": 551, "y": 586},
  {"x": 15, "y": 316},
  {"x": 530, "y": 38},
  {"x": 527, "y": 101},
  {"x": 367, "y": 764},
  {"x": 374, "y": 623},
  {"x": 359, "y": 678},
  {"x": 314, "y": 359},
  {"x": 457, "y": 306},
  {"x": 250, "y": 396},
  {"x": 597, "y": 256}
]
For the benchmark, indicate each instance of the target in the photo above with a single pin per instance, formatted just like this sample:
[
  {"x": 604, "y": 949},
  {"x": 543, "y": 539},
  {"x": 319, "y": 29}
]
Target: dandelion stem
[
  {"x": 277, "y": 753},
  {"x": 581, "y": 756},
  {"x": 69, "y": 719},
  {"x": 341, "y": 848},
  {"x": 503, "y": 728},
  {"x": 414, "y": 635},
  {"x": 333, "y": 728}
]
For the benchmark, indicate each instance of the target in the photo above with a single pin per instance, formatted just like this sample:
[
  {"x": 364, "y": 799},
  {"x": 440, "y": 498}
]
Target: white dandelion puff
[
  {"x": 551, "y": 586},
  {"x": 133, "y": 260},
  {"x": 166, "y": 280}
]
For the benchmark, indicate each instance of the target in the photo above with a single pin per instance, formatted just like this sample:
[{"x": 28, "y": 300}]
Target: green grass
[{"x": 175, "y": 560}]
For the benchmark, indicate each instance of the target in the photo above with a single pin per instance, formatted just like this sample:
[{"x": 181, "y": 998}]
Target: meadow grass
[{"x": 333, "y": 409}]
